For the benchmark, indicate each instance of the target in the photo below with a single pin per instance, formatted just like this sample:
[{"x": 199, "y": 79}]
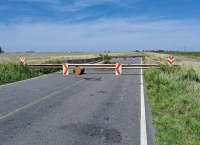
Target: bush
[
  {"x": 189, "y": 75},
  {"x": 104, "y": 56}
]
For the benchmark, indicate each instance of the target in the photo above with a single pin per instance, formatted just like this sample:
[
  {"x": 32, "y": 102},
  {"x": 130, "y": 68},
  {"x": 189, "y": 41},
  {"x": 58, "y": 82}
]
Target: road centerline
[{"x": 21, "y": 107}]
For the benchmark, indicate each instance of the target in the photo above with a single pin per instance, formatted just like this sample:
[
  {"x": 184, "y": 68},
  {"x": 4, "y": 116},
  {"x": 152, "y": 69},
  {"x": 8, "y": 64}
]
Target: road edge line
[{"x": 143, "y": 133}]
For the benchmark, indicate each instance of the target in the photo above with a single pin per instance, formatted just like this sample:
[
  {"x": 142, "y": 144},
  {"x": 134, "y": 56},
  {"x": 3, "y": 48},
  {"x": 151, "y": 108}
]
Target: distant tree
[
  {"x": 1, "y": 50},
  {"x": 161, "y": 50},
  {"x": 29, "y": 51}
]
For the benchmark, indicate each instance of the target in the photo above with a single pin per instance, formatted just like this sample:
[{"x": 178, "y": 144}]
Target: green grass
[
  {"x": 13, "y": 72},
  {"x": 174, "y": 98},
  {"x": 104, "y": 57}
]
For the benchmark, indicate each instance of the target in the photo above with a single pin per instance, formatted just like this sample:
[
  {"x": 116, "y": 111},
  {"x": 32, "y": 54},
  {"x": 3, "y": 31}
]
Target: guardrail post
[{"x": 148, "y": 61}]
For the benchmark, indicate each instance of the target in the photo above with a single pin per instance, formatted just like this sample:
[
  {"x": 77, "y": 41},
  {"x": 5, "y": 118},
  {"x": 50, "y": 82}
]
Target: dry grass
[
  {"x": 184, "y": 61},
  {"x": 37, "y": 58}
]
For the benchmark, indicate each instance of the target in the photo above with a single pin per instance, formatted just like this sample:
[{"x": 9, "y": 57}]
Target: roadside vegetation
[
  {"x": 104, "y": 57},
  {"x": 11, "y": 69},
  {"x": 42, "y": 57},
  {"x": 174, "y": 97},
  {"x": 13, "y": 72},
  {"x": 183, "y": 54}
]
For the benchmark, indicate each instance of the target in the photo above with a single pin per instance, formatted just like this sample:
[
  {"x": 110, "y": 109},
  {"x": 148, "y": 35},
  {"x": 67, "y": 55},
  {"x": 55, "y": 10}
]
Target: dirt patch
[{"x": 93, "y": 79}]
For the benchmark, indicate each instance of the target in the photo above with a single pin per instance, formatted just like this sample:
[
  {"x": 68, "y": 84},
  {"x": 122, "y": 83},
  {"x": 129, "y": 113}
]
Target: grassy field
[
  {"x": 38, "y": 58},
  {"x": 184, "y": 54},
  {"x": 174, "y": 97},
  {"x": 11, "y": 70},
  {"x": 183, "y": 60}
]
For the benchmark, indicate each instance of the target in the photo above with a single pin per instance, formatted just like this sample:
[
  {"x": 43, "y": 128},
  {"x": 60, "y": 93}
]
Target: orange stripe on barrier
[
  {"x": 171, "y": 60},
  {"x": 118, "y": 68},
  {"x": 65, "y": 69}
]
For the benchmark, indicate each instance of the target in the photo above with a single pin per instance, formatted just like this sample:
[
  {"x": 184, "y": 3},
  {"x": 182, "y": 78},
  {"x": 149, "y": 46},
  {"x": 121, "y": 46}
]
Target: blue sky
[{"x": 99, "y": 25}]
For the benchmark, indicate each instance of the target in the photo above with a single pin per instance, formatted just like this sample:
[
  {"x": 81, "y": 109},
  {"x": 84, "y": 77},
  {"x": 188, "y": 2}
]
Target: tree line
[{"x": 1, "y": 50}]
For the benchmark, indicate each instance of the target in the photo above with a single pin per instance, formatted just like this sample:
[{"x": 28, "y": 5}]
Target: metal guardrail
[{"x": 110, "y": 66}]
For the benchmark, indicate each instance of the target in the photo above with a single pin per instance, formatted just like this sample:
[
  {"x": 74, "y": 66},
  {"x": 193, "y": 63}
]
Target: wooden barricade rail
[{"x": 111, "y": 66}]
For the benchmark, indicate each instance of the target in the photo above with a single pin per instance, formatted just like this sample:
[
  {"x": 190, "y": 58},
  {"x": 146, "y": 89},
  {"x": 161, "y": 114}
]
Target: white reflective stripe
[{"x": 143, "y": 133}]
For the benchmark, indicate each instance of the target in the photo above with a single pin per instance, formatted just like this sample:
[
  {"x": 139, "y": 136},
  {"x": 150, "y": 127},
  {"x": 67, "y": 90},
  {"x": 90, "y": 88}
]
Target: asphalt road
[{"x": 91, "y": 109}]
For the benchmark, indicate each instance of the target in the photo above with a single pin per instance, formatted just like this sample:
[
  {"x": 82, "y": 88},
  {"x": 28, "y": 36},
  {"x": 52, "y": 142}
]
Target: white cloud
[
  {"x": 59, "y": 8},
  {"x": 80, "y": 4},
  {"x": 113, "y": 35},
  {"x": 40, "y": 1}
]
